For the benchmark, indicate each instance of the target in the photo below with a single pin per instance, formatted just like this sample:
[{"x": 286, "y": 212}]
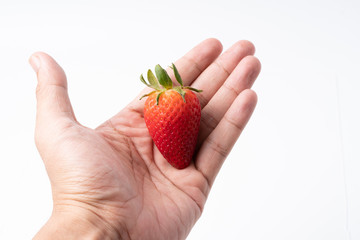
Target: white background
[{"x": 294, "y": 174}]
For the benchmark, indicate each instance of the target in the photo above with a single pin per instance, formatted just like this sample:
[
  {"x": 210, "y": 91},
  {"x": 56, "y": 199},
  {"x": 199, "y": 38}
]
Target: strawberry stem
[{"x": 163, "y": 82}]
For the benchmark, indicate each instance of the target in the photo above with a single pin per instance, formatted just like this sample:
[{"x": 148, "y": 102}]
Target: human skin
[{"x": 112, "y": 182}]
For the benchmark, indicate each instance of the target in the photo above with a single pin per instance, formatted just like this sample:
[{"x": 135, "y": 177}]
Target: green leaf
[
  {"x": 177, "y": 75},
  {"x": 163, "y": 77},
  {"x": 153, "y": 81},
  {"x": 143, "y": 80},
  {"x": 158, "y": 97},
  {"x": 193, "y": 89},
  {"x": 148, "y": 94},
  {"x": 181, "y": 92}
]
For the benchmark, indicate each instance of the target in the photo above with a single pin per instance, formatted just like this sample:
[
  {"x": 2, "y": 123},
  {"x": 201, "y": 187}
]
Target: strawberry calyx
[{"x": 162, "y": 82}]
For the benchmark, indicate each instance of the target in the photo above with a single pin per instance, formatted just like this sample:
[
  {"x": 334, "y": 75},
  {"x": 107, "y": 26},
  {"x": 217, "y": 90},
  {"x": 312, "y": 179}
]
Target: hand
[{"x": 111, "y": 182}]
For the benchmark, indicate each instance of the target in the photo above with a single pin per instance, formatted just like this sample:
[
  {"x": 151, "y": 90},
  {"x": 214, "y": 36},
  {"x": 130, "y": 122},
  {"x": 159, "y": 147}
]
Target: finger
[
  {"x": 241, "y": 78},
  {"x": 53, "y": 104},
  {"x": 216, "y": 74},
  {"x": 220, "y": 142},
  {"x": 190, "y": 66}
]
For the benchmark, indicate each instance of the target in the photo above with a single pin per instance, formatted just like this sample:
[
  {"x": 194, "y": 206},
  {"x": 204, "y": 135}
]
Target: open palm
[{"x": 116, "y": 173}]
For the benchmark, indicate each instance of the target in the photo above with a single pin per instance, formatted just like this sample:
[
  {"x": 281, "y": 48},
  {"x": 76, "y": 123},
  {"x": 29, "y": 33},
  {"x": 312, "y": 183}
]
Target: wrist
[{"x": 74, "y": 223}]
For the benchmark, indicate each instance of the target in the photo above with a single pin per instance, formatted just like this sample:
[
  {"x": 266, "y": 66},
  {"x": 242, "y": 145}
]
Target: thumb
[{"x": 54, "y": 110}]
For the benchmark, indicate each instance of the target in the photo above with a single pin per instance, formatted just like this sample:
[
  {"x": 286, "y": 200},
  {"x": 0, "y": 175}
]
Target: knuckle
[
  {"x": 209, "y": 121},
  {"x": 222, "y": 150}
]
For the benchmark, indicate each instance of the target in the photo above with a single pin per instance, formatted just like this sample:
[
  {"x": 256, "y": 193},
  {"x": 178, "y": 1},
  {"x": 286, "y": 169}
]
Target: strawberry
[{"x": 172, "y": 116}]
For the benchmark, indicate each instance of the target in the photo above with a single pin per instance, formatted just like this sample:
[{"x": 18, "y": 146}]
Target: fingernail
[{"x": 35, "y": 63}]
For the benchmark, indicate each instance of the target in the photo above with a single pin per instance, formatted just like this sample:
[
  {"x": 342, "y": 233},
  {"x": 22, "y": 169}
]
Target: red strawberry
[{"x": 172, "y": 116}]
